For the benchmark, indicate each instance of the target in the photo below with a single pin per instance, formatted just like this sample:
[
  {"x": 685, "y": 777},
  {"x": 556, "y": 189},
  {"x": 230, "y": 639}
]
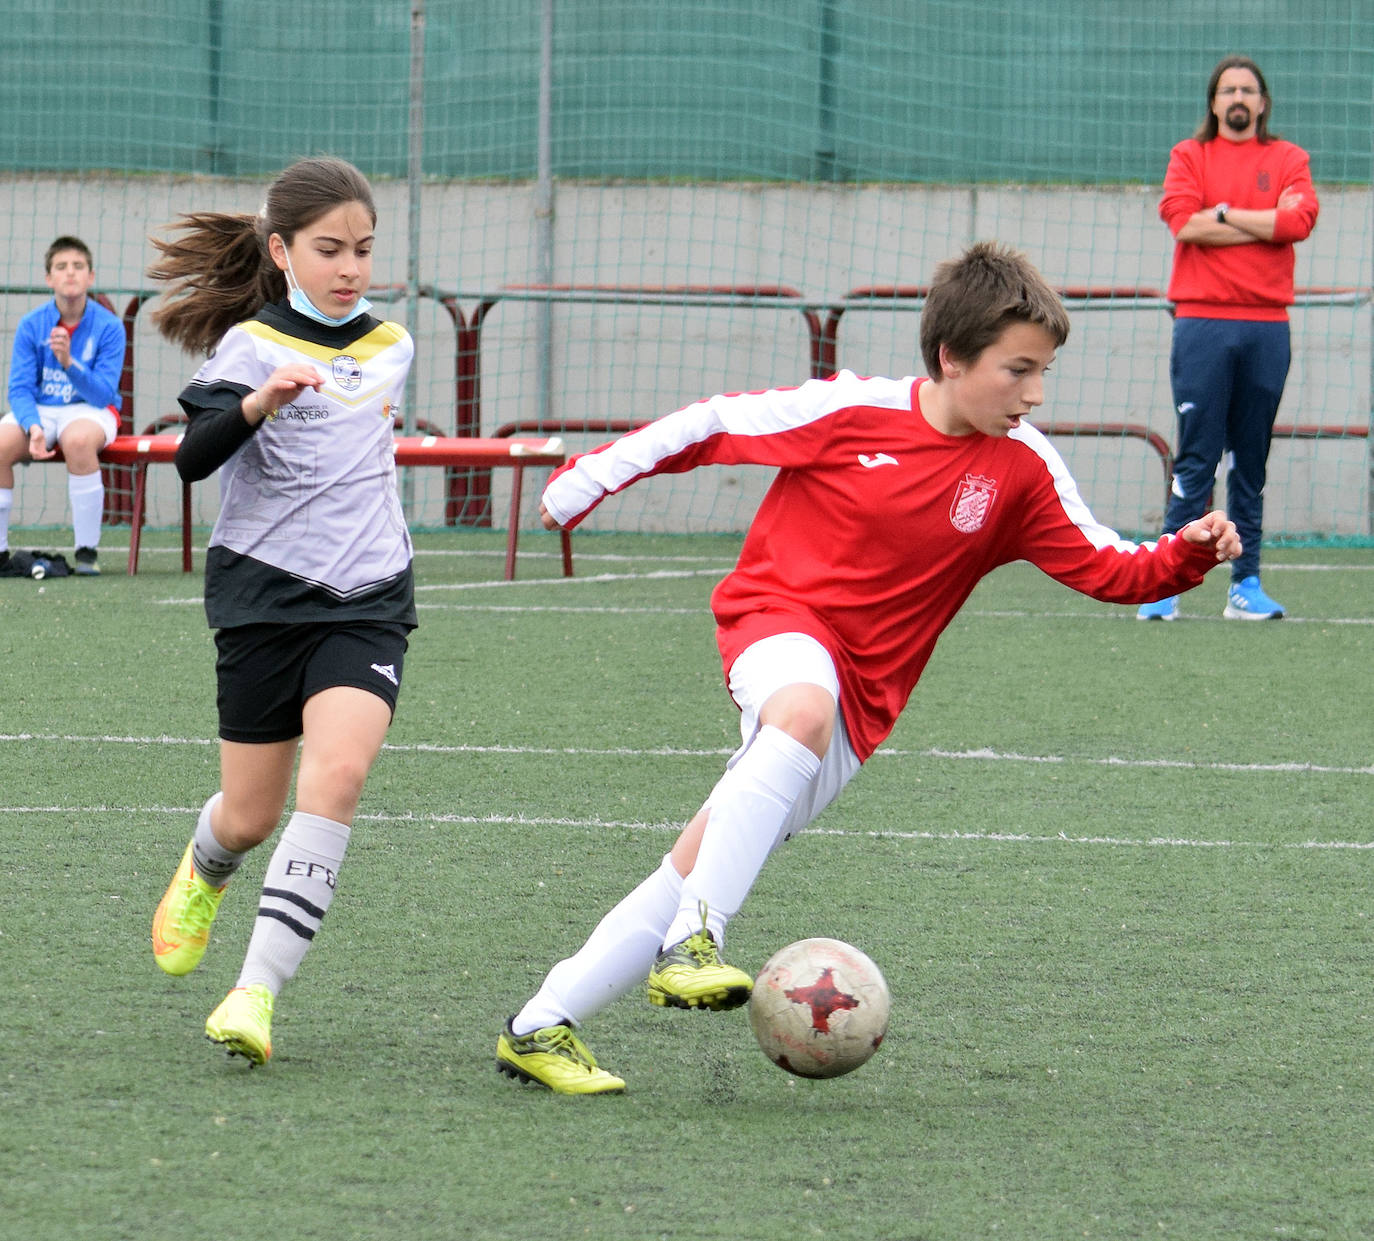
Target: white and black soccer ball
[{"x": 819, "y": 1008}]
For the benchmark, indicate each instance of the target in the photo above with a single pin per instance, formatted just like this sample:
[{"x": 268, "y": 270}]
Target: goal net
[{"x": 592, "y": 212}]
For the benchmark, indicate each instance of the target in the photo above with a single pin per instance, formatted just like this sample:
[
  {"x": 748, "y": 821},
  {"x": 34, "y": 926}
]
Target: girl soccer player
[
  {"x": 893, "y": 498},
  {"x": 308, "y": 580}
]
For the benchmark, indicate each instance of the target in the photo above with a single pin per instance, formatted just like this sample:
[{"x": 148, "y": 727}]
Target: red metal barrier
[{"x": 138, "y": 452}]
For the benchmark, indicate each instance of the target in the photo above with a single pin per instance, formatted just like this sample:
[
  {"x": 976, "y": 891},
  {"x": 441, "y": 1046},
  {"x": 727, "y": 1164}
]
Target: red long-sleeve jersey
[
  {"x": 1253, "y": 281},
  {"x": 877, "y": 526}
]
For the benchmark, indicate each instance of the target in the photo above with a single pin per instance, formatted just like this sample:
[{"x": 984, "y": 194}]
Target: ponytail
[{"x": 219, "y": 275}]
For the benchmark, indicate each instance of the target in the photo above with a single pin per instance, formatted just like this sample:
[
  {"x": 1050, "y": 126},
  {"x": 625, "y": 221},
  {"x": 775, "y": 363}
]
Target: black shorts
[{"x": 266, "y": 673}]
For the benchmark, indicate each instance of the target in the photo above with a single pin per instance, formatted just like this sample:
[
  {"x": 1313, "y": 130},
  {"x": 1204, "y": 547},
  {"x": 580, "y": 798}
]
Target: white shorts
[
  {"x": 57, "y": 418},
  {"x": 759, "y": 672}
]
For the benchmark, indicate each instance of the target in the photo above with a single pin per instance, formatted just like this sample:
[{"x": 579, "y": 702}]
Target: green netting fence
[{"x": 593, "y": 211}]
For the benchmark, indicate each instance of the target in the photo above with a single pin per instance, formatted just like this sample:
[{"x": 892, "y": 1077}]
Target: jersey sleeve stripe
[{"x": 728, "y": 429}]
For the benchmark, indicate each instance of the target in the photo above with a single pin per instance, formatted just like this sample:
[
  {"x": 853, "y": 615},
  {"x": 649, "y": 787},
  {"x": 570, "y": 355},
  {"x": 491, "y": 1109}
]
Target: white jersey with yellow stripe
[{"x": 313, "y": 491}]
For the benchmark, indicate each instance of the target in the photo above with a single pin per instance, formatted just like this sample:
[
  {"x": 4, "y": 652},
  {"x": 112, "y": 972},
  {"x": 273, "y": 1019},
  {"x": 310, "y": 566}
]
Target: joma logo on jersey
[
  {"x": 348, "y": 373},
  {"x": 972, "y": 503},
  {"x": 312, "y": 870}
]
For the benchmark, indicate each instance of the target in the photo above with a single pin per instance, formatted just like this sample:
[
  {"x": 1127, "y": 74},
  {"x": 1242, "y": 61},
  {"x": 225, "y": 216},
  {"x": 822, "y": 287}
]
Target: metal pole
[
  {"x": 414, "y": 178},
  {"x": 543, "y": 210},
  {"x": 215, "y": 16},
  {"x": 825, "y": 94}
]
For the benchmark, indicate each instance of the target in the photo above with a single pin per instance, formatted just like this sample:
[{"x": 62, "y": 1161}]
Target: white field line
[
  {"x": 985, "y": 755},
  {"x": 497, "y": 820},
  {"x": 717, "y": 568},
  {"x": 1120, "y": 614},
  {"x": 533, "y": 608},
  {"x": 656, "y": 575},
  {"x": 1115, "y": 615},
  {"x": 579, "y": 556},
  {"x": 471, "y": 553}
]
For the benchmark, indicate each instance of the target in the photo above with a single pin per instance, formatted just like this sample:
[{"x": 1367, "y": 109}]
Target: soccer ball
[{"x": 819, "y": 1008}]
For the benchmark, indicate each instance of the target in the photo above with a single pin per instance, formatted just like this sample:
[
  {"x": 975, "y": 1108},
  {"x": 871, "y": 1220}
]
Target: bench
[{"x": 138, "y": 452}]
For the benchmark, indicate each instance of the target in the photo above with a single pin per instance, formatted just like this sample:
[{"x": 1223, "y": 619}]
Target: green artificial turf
[{"x": 1118, "y": 877}]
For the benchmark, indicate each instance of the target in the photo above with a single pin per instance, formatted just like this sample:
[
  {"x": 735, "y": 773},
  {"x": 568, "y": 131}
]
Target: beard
[{"x": 1238, "y": 118}]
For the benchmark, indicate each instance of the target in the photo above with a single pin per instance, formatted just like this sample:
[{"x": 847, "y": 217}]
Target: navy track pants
[{"x": 1227, "y": 377}]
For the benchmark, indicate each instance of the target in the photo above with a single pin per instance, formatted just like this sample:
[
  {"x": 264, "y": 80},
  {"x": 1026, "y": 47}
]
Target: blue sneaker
[
  {"x": 1165, "y": 609},
  {"x": 1246, "y": 601}
]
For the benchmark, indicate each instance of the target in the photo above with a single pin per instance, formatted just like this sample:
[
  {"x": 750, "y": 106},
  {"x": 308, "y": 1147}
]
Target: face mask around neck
[{"x": 297, "y": 300}]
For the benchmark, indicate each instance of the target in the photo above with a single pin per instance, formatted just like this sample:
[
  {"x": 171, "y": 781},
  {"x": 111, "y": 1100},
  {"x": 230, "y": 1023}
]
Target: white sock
[
  {"x": 616, "y": 956},
  {"x": 748, "y": 809},
  {"x": 6, "y": 504},
  {"x": 296, "y": 893},
  {"x": 213, "y": 862},
  {"x": 86, "y": 493}
]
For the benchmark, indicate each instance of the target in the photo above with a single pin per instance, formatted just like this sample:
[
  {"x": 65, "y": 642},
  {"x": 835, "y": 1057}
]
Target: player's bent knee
[
  {"x": 332, "y": 785},
  {"x": 806, "y": 713},
  {"x": 245, "y": 831}
]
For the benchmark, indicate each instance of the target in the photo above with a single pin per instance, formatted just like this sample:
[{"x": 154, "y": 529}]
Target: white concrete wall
[{"x": 637, "y": 361}]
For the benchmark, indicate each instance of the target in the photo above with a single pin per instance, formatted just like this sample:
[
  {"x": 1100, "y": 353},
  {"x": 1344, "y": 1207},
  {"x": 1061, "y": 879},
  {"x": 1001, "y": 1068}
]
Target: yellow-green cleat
[
  {"x": 691, "y": 974},
  {"x": 243, "y": 1023},
  {"x": 181, "y": 925},
  {"x": 554, "y": 1057}
]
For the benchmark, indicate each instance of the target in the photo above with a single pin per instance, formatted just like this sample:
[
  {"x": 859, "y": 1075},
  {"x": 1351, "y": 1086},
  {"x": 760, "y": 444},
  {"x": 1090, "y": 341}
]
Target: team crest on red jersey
[{"x": 972, "y": 503}]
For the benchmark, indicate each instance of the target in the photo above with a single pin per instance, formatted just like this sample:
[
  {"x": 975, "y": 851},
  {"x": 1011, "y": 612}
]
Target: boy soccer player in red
[{"x": 893, "y": 498}]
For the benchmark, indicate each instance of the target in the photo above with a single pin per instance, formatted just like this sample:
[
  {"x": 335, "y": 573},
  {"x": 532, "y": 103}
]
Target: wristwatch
[{"x": 1222, "y": 209}]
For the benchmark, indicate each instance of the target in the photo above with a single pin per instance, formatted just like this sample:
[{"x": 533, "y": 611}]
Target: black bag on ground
[{"x": 36, "y": 564}]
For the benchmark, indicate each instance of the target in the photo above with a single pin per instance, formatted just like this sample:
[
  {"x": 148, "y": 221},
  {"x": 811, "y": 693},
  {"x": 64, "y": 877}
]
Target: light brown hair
[{"x": 974, "y": 298}]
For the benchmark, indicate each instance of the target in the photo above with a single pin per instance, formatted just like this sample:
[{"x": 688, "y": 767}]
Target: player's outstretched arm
[{"x": 1216, "y": 530}]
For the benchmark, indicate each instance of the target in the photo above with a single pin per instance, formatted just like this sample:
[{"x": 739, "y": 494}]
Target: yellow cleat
[
  {"x": 554, "y": 1057},
  {"x": 181, "y": 925},
  {"x": 692, "y": 975},
  {"x": 243, "y": 1023}
]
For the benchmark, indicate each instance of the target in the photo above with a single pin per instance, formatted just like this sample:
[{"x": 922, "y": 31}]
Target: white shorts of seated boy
[
  {"x": 57, "y": 418},
  {"x": 85, "y": 492}
]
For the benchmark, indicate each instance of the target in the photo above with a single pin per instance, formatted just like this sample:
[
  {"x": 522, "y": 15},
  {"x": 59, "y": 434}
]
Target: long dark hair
[
  {"x": 219, "y": 270},
  {"x": 1209, "y": 127}
]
